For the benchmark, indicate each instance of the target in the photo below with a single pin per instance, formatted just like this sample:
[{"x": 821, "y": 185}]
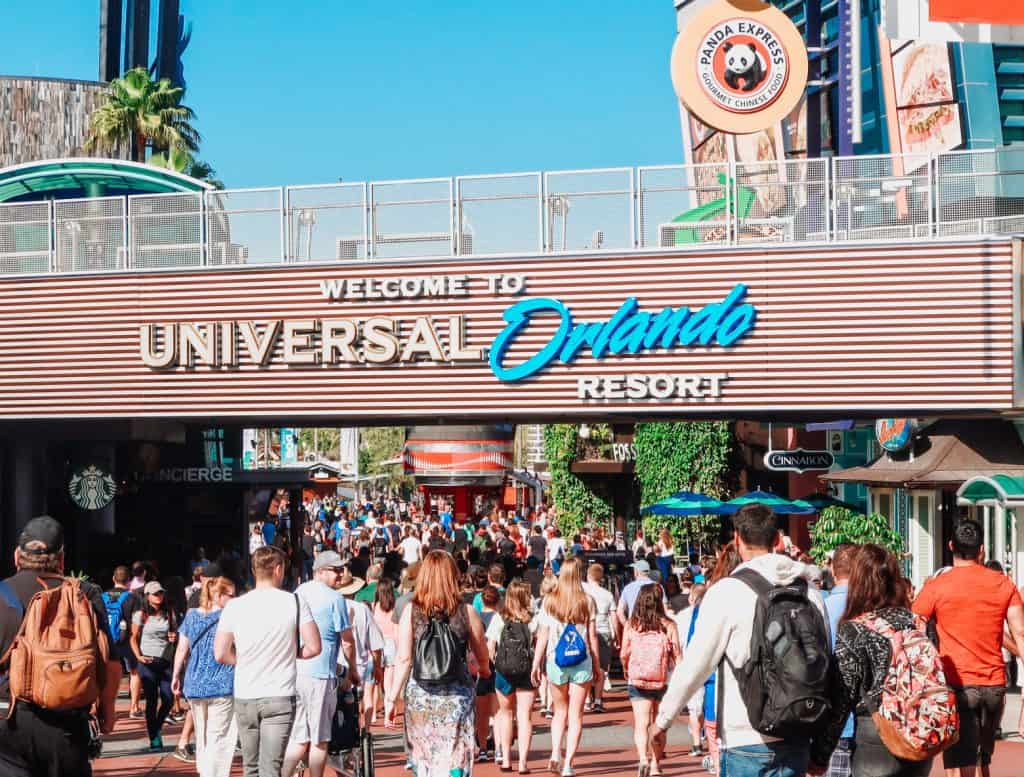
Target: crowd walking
[{"x": 455, "y": 634}]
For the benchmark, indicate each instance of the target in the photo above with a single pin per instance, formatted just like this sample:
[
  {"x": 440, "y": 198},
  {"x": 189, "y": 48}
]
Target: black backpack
[
  {"x": 785, "y": 683},
  {"x": 514, "y": 656},
  {"x": 439, "y": 656}
]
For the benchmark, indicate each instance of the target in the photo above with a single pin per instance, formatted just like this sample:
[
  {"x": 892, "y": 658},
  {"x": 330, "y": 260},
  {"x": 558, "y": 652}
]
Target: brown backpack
[{"x": 57, "y": 660}]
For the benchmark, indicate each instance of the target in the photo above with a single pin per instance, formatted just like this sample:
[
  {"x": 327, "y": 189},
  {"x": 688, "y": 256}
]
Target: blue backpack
[
  {"x": 114, "y": 613},
  {"x": 571, "y": 649}
]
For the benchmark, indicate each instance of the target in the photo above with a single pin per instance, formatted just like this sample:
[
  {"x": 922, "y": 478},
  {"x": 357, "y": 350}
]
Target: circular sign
[
  {"x": 740, "y": 66},
  {"x": 92, "y": 488},
  {"x": 894, "y": 434}
]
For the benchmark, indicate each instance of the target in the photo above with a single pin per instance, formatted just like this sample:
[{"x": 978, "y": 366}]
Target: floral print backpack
[{"x": 916, "y": 715}]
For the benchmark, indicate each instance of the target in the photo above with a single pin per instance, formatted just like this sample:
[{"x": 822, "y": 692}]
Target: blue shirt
[
  {"x": 446, "y": 522},
  {"x": 631, "y": 592},
  {"x": 269, "y": 532},
  {"x": 204, "y": 677},
  {"x": 331, "y": 616},
  {"x": 835, "y": 605}
]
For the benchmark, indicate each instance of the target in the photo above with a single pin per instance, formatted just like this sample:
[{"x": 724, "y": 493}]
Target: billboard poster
[
  {"x": 922, "y": 113},
  {"x": 289, "y": 446}
]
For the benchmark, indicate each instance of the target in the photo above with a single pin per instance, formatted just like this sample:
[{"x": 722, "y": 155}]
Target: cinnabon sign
[{"x": 740, "y": 66}]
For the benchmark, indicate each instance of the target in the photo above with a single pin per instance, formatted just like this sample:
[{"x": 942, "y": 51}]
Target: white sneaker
[{"x": 607, "y": 683}]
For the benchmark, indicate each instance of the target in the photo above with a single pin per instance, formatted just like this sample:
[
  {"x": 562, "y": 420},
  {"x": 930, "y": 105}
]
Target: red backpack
[
  {"x": 916, "y": 717},
  {"x": 648, "y": 660}
]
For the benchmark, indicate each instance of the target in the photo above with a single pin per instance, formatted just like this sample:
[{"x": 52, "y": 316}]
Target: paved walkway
[{"x": 607, "y": 749}]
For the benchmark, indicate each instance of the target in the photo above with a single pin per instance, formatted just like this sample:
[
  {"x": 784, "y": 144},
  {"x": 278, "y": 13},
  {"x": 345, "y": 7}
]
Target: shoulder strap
[
  {"x": 755, "y": 580},
  {"x": 7, "y": 594},
  {"x": 298, "y": 627}
]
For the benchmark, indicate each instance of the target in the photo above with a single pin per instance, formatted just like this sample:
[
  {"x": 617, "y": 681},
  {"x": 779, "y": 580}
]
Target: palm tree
[
  {"x": 142, "y": 112},
  {"x": 181, "y": 161}
]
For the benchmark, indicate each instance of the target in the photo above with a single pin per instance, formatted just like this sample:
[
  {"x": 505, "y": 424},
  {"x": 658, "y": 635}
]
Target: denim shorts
[
  {"x": 581, "y": 674},
  {"x": 778, "y": 759},
  {"x": 653, "y": 694}
]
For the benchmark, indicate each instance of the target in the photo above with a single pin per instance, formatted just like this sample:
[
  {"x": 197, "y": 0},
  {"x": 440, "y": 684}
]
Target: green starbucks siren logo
[{"x": 91, "y": 488}]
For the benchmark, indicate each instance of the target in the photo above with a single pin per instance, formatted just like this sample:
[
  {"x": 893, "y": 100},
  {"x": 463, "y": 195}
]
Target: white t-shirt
[
  {"x": 263, "y": 622},
  {"x": 555, "y": 629},
  {"x": 497, "y": 625},
  {"x": 366, "y": 633},
  {"x": 410, "y": 548},
  {"x": 556, "y": 545},
  {"x": 605, "y": 605}
]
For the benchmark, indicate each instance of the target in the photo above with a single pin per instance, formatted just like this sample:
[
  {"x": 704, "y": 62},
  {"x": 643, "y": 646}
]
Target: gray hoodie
[{"x": 724, "y": 629}]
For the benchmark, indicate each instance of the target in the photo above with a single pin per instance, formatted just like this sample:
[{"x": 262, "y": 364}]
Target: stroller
[{"x": 350, "y": 751}]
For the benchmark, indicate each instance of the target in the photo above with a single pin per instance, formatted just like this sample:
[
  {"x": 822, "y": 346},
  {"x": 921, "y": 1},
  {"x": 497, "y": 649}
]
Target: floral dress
[{"x": 440, "y": 719}]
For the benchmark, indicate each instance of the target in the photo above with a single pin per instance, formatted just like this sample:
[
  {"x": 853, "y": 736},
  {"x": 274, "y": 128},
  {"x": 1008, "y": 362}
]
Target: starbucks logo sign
[
  {"x": 92, "y": 488},
  {"x": 742, "y": 65}
]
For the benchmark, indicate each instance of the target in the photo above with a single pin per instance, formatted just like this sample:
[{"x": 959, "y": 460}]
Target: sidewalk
[{"x": 606, "y": 748}]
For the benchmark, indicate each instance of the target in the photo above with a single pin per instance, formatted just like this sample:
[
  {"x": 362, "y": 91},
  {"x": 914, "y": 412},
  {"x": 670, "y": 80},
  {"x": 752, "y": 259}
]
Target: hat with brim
[{"x": 350, "y": 585}]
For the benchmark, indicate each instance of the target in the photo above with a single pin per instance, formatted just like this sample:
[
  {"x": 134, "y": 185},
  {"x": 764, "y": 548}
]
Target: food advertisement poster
[{"x": 923, "y": 114}]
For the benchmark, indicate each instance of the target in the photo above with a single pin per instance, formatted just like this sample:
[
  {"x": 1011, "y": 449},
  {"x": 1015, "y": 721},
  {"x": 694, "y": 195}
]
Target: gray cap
[
  {"x": 642, "y": 567},
  {"x": 328, "y": 560}
]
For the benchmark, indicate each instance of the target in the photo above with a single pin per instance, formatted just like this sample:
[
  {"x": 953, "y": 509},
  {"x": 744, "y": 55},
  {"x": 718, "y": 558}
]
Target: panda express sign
[{"x": 739, "y": 66}]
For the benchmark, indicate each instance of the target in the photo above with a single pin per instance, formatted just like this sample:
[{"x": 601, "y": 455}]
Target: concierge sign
[{"x": 714, "y": 332}]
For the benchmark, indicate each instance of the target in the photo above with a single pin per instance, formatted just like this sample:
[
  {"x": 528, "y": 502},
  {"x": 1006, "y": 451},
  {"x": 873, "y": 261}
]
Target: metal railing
[{"x": 669, "y": 207}]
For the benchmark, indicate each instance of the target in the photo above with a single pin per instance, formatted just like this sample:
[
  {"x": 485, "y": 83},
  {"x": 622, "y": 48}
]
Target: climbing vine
[
  {"x": 838, "y": 525},
  {"x": 576, "y": 503},
  {"x": 678, "y": 456}
]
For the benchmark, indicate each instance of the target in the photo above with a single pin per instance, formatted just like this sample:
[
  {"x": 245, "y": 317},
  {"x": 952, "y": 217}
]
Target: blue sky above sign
[{"x": 630, "y": 330}]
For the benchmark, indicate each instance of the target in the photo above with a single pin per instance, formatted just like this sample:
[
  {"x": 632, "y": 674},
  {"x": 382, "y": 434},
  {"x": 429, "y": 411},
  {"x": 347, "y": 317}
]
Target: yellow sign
[{"x": 740, "y": 66}]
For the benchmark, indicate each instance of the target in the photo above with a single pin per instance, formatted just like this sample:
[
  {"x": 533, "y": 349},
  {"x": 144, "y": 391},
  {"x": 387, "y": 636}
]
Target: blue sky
[{"x": 307, "y": 91}]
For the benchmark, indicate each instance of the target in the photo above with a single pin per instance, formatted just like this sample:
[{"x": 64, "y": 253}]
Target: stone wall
[{"x": 46, "y": 118}]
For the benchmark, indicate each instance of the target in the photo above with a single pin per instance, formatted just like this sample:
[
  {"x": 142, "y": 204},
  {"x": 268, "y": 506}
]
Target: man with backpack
[
  {"x": 764, "y": 629},
  {"x": 121, "y": 603},
  {"x": 969, "y": 605},
  {"x": 49, "y": 730}
]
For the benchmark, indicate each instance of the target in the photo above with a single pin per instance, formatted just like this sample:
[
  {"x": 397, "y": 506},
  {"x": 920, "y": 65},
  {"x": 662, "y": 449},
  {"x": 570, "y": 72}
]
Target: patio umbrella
[
  {"x": 778, "y": 504},
  {"x": 820, "y": 501},
  {"x": 685, "y": 503}
]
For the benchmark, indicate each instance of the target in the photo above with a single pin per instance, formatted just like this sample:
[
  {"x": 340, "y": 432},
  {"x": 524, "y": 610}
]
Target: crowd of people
[{"x": 455, "y": 630}]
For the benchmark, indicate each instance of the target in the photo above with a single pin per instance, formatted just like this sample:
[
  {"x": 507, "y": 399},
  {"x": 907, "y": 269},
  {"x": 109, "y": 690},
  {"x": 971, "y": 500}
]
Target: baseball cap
[
  {"x": 153, "y": 587},
  {"x": 212, "y": 570},
  {"x": 641, "y": 566},
  {"x": 328, "y": 560},
  {"x": 42, "y": 530}
]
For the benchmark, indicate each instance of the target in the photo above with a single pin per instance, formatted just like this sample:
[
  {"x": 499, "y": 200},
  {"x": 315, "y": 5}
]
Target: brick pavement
[{"x": 607, "y": 750}]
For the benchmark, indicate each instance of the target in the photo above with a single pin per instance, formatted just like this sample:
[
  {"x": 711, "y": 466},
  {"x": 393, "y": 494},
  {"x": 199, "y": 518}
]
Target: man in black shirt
[
  {"x": 45, "y": 743},
  {"x": 538, "y": 545}
]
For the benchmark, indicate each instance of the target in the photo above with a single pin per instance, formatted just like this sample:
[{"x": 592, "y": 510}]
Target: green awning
[
  {"x": 75, "y": 177},
  {"x": 1001, "y": 489}
]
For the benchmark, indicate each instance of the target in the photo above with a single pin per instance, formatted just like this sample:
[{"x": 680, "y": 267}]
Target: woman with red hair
[{"x": 434, "y": 634}]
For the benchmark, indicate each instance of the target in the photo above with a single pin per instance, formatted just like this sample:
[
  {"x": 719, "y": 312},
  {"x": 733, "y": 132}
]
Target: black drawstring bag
[{"x": 437, "y": 659}]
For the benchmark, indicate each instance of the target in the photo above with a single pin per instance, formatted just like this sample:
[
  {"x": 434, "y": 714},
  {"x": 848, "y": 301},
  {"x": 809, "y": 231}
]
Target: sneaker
[
  {"x": 607, "y": 683},
  {"x": 176, "y": 717},
  {"x": 695, "y": 751},
  {"x": 136, "y": 714},
  {"x": 588, "y": 706},
  {"x": 708, "y": 764},
  {"x": 182, "y": 754},
  {"x": 549, "y": 714},
  {"x": 497, "y": 754},
  {"x": 408, "y": 766},
  {"x": 483, "y": 757},
  {"x": 156, "y": 743},
  {"x": 599, "y": 706}
]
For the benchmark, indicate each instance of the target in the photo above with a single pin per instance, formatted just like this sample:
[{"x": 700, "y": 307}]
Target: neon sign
[{"x": 629, "y": 330}]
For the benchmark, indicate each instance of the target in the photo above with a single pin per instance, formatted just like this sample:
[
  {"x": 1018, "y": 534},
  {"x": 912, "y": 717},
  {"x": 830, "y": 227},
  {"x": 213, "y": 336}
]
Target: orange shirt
[{"x": 969, "y": 607}]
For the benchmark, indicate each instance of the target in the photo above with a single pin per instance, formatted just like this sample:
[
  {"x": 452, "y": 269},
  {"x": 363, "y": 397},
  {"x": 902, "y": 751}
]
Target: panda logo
[{"x": 744, "y": 63}]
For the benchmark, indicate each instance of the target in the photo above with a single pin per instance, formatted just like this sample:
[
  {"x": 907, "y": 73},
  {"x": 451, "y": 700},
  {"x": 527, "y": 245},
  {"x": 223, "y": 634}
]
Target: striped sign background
[{"x": 890, "y": 329}]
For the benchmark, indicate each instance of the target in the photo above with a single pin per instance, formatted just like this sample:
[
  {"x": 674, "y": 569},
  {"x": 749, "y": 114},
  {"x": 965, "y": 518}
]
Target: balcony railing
[{"x": 842, "y": 199}]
